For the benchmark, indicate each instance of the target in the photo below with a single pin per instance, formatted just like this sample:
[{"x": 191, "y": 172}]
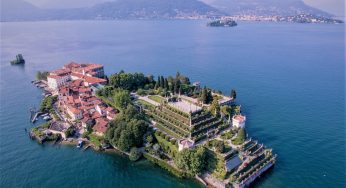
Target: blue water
[{"x": 290, "y": 80}]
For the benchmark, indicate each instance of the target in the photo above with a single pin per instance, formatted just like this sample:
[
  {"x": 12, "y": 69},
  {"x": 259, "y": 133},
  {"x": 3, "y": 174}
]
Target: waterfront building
[
  {"x": 91, "y": 74},
  {"x": 238, "y": 121},
  {"x": 74, "y": 85},
  {"x": 55, "y": 81}
]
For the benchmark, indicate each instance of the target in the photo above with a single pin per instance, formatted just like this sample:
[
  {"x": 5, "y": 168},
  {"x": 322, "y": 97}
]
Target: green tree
[
  {"x": 150, "y": 139},
  {"x": 215, "y": 107},
  {"x": 204, "y": 96},
  {"x": 233, "y": 94},
  {"x": 166, "y": 86},
  {"x": 141, "y": 92},
  {"x": 220, "y": 170},
  {"x": 135, "y": 154},
  {"x": 162, "y": 82},
  {"x": 42, "y": 75},
  {"x": 193, "y": 161},
  {"x": 125, "y": 140},
  {"x": 219, "y": 146},
  {"x": 176, "y": 86},
  {"x": 70, "y": 132},
  {"x": 128, "y": 81},
  {"x": 122, "y": 99},
  {"x": 138, "y": 129},
  {"x": 158, "y": 82},
  {"x": 226, "y": 110},
  {"x": 209, "y": 96}
]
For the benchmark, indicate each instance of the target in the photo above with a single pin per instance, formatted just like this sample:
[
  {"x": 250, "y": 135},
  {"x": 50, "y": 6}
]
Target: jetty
[{"x": 34, "y": 118}]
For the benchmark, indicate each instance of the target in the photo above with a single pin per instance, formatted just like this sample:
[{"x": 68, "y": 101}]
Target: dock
[
  {"x": 33, "y": 120},
  {"x": 86, "y": 147}
]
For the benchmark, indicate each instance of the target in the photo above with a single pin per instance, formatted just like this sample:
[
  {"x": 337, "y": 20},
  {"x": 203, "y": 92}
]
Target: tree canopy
[
  {"x": 42, "y": 75},
  {"x": 122, "y": 99},
  {"x": 192, "y": 161},
  {"x": 215, "y": 107},
  {"x": 129, "y": 81},
  {"x": 206, "y": 96},
  {"x": 135, "y": 154},
  {"x": 127, "y": 130}
]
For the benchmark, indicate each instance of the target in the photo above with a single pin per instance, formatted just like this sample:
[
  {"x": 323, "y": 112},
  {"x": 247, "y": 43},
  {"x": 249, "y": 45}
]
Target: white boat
[
  {"x": 80, "y": 144},
  {"x": 47, "y": 118}
]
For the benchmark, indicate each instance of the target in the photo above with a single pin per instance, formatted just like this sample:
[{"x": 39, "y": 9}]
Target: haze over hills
[
  {"x": 20, "y": 10},
  {"x": 265, "y": 7},
  {"x": 11, "y": 10},
  {"x": 155, "y": 9}
]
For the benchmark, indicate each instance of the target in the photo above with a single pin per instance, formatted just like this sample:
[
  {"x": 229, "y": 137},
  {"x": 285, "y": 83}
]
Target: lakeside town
[
  {"x": 189, "y": 130},
  {"x": 299, "y": 18}
]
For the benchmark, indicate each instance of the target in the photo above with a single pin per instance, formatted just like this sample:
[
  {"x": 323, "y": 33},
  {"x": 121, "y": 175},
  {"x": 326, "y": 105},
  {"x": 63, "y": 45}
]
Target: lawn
[
  {"x": 156, "y": 98},
  {"x": 96, "y": 140},
  {"x": 145, "y": 103}
]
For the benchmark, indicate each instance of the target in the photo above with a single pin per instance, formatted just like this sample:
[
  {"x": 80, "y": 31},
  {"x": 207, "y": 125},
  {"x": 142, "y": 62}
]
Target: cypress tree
[
  {"x": 204, "y": 96},
  {"x": 162, "y": 82},
  {"x": 209, "y": 97},
  {"x": 233, "y": 94},
  {"x": 166, "y": 84},
  {"x": 176, "y": 86},
  {"x": 158, "y": 82}
]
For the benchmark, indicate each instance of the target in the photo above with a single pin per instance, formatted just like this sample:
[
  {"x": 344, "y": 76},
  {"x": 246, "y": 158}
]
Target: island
[
  {"x": 19, "y": 60},
  {"x": 190, "y": 130},
  {"x": 222, "y": 23}
]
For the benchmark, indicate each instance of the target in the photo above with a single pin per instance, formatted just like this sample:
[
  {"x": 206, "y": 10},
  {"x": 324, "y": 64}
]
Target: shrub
[
  {"x": 135, "y": 154},
  {"x": 150, "y": 139},
  {"x": 141, "y": 92},
  {"x": 70, "y": 132},
  {"x": 163, "y": 164},
  {"x": 85, "y": 134}
]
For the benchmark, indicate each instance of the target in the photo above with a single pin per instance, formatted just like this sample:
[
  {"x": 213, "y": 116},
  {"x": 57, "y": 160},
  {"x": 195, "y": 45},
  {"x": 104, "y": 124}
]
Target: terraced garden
[{"x": 253, "y": 166}]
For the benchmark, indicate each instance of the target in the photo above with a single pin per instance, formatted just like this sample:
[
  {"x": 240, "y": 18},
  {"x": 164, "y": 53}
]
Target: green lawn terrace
[{"x": 181, "y": 118}]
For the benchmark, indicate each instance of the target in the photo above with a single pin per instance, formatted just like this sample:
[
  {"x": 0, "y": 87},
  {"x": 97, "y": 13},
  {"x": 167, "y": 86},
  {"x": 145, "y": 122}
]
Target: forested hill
[{"x": 20, "y": 10}]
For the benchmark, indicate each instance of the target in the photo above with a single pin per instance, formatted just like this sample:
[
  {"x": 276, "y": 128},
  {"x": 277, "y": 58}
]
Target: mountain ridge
[{"x": 20, "y": 10}]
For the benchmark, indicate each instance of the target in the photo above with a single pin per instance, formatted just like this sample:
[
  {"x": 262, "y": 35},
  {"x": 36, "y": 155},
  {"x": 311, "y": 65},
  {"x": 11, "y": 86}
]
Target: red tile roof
[
  {"x": 239, "y": 118},
  {"x": 53, "y": 77},
  {"x": 101, "y": 125}
]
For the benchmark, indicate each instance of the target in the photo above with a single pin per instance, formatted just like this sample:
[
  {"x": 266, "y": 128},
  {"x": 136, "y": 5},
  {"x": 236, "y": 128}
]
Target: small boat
[
  {"x": 47, "y": 118},
  {"x": 46, "y": 114},
  {"x": 80, "y": 144}
]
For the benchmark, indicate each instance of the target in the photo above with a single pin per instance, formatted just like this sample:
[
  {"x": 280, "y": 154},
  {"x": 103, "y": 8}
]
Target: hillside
[
  {"x": 19, "y": 10},
  {"x": 154, "y": 9}
]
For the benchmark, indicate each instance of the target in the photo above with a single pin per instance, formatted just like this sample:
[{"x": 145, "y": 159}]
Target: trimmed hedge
[{"x": 163, "y": 164}]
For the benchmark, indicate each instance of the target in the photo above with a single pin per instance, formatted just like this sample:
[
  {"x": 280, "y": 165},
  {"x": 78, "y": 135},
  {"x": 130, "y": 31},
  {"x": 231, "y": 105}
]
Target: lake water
[{"x": 290, "y": 80}]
